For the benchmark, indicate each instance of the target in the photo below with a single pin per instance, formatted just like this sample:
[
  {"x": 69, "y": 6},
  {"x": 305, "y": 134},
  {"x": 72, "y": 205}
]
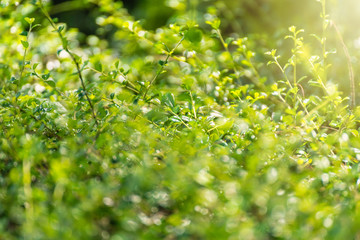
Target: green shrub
[{"x": 185, "y": 132}]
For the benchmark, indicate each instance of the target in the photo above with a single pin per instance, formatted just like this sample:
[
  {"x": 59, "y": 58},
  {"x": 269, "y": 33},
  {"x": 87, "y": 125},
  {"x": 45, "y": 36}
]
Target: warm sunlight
[{"x": 179, "y": 119}]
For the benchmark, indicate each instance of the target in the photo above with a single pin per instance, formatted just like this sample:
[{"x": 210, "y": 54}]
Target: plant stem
[
  {"x": 283, "y": 72},
  {"x": 162, "y": 67},
  {"x": 288, "y": 81},
  {"x": 72, "y": 56},
  {"x": 319, "y": 79},
  {"x": 25, "y": 53},
  {"x": 26, "y": 48},
  {"x": 225, "y": 45},
  {"x": 295, "y": 80},
  {"x": 179, "y": 118}
]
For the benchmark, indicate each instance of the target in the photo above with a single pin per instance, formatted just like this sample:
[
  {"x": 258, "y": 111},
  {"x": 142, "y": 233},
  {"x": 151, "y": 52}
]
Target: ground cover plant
[{"x": 202, "y": 128}]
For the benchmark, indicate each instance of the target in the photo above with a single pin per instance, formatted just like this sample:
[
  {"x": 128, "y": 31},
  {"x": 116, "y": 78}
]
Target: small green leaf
[
  {"x": 51, "y": 83},
  {"x": 84, "y": 65},
  {"x": 45, "y": 76},
  {"x": 117, "y": 63},
  {"x": 35, "y": 66},
  {"x": 229, "y": 40},
  {"x": 127, "y": 72},
  {"x": 78, "y": 59},
  {"x": 175, "y": 119},
  {"x": 24, "y": 33},
  {"x": 185, "y": 118},
  {"x": 156, "y": 115},
  {"x": 25, "y": 44},
  {"x": 215, "y": 23},
  {"x": 193, "y": 35},
  {"x": 98, "y": 66},
  {"x": 59, "y": 51},
  {"x": 29, "y": 20},
  {"x": 36, "y": 25},
  {"x": 61, "y": 28},
  {"x": 168, "y": 99}
]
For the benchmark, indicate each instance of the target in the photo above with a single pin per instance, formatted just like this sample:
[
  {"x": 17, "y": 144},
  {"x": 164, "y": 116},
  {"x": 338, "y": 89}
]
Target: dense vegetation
[{"x": 198, "y": 129}]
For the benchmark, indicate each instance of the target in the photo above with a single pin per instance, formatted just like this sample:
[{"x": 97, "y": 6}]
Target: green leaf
[
  {"x": 98, "y": 66},
  {"x": 36, "y": 25},
  {"x": 84, "y": 65},
  {"x": 59, "y": 51},
  {"x": 24, "y": 33},
  {"x": 156, "y": 115},
  {"x": 117, "y": 63},
  {"x": 60, "y": 28},
  {"x": 45, "y": 76},
  {"x": 186, "y": 119},
  {"x": 51, "y": 83},
  {"x": 193, "y": 35},
  {"x": 175, "y": 119},
  {"x": 215, "y": 24},
  {"x": 78, "y": 59},
  {"x": 169, "y": 100},
  {"x": 229, "y": 40},
  {"x": 35, "y": 66},
  {"x": 25, "y": 44},
  {"x": 29, "y": 20}
]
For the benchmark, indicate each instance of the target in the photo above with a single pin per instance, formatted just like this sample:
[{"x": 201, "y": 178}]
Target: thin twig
[
  {"x": 162, "y": 67},
  {"x": 132, "y": 87},
  {"x": 225, "y": 45},
  {"x": 171, "y": 111},
  {"x": 72, "y": 56}
]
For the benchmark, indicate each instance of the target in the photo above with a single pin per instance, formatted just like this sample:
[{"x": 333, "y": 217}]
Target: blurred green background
[
  {"x": 266, "y": 20},
  {"x": 247, "y": 16},
  {"x": 142, "y": 172}
]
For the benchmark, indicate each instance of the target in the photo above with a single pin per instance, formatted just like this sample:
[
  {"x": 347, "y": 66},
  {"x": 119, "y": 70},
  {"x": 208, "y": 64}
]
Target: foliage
[{"x": 180, "y": 133}]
